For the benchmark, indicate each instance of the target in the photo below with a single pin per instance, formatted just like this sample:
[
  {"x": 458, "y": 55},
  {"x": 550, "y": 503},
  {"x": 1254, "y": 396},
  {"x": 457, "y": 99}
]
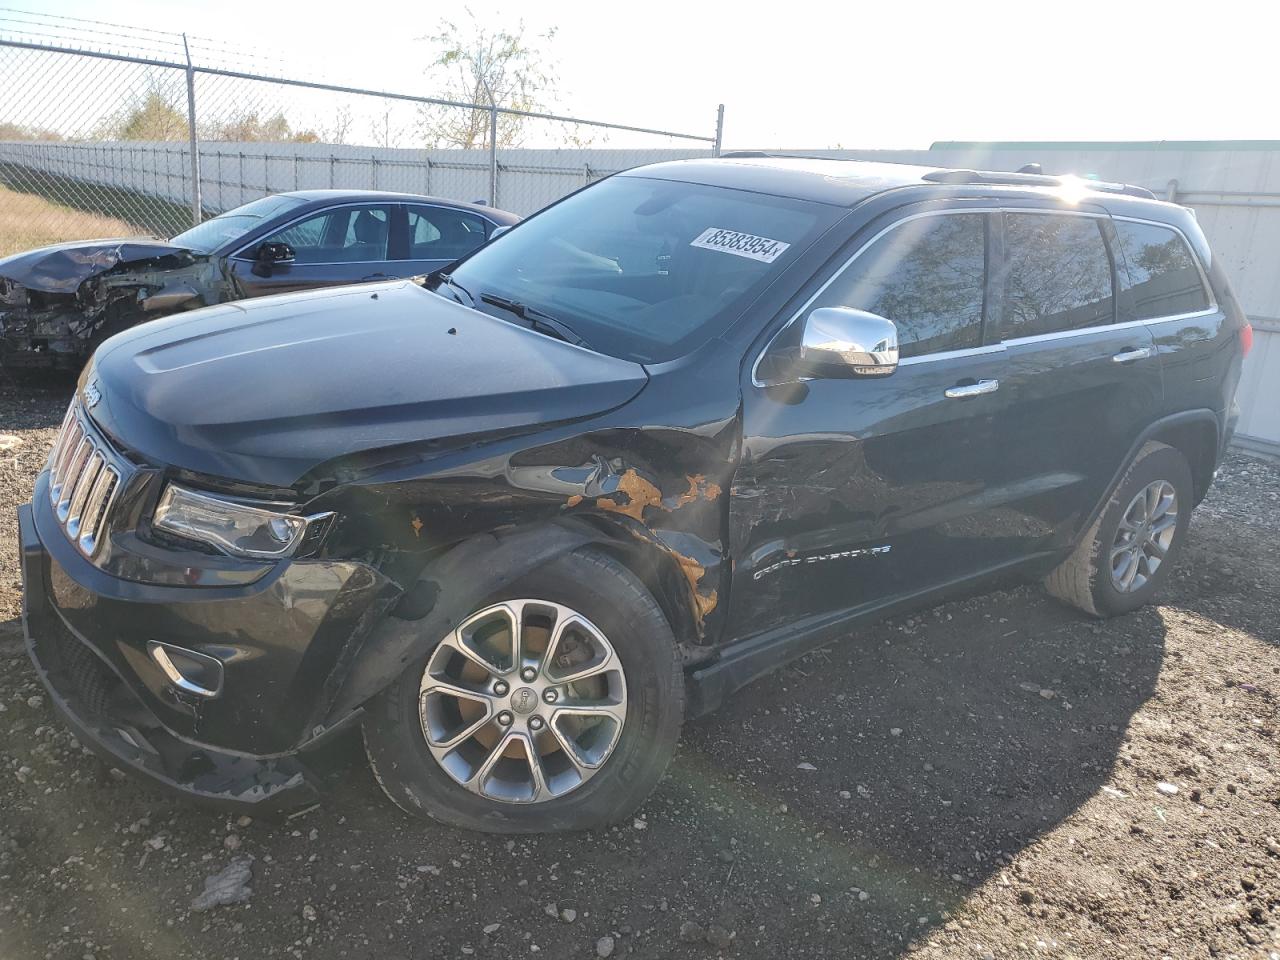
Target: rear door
[
  {"x": 1081, "y": 382},
  {"x": 437, "y": 236},
  {"x": 344, "y": 244},
  {"x": 1163, "y": 284}
]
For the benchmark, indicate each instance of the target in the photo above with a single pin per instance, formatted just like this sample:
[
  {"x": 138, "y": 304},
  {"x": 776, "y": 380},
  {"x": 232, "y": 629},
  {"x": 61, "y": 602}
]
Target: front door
[
  {"x": 346, "y": 244},
  {"x": 855, "y": 492}
]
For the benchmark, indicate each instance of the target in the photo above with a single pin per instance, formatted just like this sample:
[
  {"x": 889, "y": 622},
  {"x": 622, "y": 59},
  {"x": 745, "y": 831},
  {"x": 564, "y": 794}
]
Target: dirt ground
[{"x": 996, "y": 777}]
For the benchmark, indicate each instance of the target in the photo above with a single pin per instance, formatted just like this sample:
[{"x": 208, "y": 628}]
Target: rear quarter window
[{"x": 1159, "y": 276}]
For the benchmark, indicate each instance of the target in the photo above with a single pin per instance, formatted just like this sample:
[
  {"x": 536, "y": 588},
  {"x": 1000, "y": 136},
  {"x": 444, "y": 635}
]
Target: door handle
[
  {"x": 962, "y": 391},
  {"x": 1130, "y": 354}
]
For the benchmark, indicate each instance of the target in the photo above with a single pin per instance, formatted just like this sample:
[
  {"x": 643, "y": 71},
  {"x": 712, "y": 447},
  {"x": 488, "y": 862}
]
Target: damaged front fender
[{"x": 57, "y": 303}]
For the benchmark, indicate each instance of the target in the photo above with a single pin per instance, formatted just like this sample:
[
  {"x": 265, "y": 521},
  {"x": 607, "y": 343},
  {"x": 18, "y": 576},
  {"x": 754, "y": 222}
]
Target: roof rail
[
  {"x": 1028, "y": 175},
  {"x": 1034, "y": 180}
]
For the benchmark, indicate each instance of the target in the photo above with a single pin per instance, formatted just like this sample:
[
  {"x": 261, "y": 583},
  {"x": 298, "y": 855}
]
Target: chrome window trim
[
  {"x": 953, "y": 354},
  {"x": 353, "y": 204},
  {"x": 1066, "y": 334},
  {"x": 350, "y": 205},
  {"x": 999, "y": 347}
]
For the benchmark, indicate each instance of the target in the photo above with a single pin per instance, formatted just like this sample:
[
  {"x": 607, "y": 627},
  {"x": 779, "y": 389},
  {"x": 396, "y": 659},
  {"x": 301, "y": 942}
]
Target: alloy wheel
[
  {"x": 523, "y": 702},
  {"x": 1145, "y": 534}
]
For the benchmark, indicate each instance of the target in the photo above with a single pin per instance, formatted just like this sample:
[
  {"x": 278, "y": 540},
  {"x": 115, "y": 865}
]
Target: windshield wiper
[
  {"x": 447, "y": 279},
  {"x": 536, "y": 319}
]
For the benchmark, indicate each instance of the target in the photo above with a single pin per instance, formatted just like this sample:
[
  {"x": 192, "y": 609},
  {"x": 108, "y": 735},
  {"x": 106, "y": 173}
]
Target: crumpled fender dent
[
  {"x": 54, "y": 300},
  {"x": 475, "y": 529},
  {"x": 445, "y": 593}
]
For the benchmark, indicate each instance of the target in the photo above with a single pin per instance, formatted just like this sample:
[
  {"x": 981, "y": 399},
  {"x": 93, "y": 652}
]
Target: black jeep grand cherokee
[{"x": 686, "y": 424}]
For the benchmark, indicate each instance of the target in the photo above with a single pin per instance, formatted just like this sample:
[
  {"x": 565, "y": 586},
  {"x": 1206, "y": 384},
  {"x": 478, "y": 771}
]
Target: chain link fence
[{"x": 96, "y": 144}]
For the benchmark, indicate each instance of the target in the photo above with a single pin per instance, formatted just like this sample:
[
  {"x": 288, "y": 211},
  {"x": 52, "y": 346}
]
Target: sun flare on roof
[{"x": 1072, "y": 188}]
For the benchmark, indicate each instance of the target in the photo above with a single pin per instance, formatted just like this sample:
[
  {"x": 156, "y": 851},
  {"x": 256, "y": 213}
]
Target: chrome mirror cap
[{"x": 843, "y": 342}]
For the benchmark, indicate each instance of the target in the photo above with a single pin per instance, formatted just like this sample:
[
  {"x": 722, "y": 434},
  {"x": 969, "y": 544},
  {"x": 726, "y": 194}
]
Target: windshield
[
  {"x": 209, "y": 236},
  {"x": 644, "y": 269}
]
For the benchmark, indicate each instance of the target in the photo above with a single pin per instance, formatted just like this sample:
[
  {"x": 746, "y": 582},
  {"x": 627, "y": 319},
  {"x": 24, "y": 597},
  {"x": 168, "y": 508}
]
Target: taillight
[{"x": 1246, "y": 337}]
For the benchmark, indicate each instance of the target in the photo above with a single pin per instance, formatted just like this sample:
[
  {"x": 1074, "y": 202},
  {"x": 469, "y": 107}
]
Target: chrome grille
[{"x": 83, "y": 482}]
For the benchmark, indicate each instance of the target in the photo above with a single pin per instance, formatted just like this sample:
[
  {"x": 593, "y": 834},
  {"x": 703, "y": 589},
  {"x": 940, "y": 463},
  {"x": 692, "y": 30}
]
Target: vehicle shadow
[
  {"x": 940, "y": 746},
  {"x": 846, "y": 805},
  {"x": 34, "y": 399},
  {"x": 12, "y": 644}
]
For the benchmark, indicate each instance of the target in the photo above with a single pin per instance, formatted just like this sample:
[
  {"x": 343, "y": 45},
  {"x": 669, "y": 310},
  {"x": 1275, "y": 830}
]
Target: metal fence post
[
  {"x": 715, "y": 150},
  {"x": 196, "y": 206},
  {"x": 493, "y": 153}
]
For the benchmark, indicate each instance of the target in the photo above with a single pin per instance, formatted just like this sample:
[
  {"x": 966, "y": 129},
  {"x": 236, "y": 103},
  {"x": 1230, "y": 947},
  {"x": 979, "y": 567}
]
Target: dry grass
[{"x": 28, "y": 221}]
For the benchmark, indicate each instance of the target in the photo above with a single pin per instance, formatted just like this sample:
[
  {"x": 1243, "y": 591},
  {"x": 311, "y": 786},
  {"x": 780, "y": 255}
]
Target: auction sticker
[{"x": 740, "y": 244}]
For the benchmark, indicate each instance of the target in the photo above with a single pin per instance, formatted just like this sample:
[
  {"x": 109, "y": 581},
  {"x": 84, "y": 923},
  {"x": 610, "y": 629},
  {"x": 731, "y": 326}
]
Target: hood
[
  {"x": 62, "y": 267},
  {"x": 265, "y": 390}
]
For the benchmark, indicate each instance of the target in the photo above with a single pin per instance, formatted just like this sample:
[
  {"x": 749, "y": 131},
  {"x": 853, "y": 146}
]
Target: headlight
[{"x": 232, "y": 526}]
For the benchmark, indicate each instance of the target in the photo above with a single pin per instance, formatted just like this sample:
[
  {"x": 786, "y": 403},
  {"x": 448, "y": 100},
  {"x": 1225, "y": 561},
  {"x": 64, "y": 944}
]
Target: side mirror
[
  {"x": 271, "y": 254},
  {"x": 276, "y": 252},
  {"x": 840, "y": 342},
  {"x": 499, "y": 231}
]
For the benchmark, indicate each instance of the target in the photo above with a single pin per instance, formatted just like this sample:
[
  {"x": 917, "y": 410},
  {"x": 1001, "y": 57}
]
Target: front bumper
[
  {"x": 284, "y": 641},
  {"x": 104, "y": 715}
]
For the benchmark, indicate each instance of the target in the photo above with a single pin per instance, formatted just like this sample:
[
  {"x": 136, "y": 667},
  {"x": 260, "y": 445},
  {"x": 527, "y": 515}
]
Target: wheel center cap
[{"x": 524, "y": 700}]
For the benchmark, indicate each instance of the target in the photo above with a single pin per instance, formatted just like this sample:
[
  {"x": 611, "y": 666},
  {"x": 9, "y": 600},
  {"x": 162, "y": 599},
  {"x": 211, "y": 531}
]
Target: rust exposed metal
[
  {"x": 699, "y": 487},
  {"x": 640, "y": 493},
  {"x": 631, "y": 494},
  {"x": 693, "y": 571}
]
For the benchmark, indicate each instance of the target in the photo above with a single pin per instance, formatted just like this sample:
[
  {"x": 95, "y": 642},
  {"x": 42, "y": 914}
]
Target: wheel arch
[
  {"x": 453, "y": 582},
  {"x": 1196, "y": 438},
  {"x": 1188, "y": 432}
]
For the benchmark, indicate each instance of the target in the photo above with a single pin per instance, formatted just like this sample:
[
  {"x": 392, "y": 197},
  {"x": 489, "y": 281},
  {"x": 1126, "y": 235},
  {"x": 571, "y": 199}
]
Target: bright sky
[{"x": 800, "y": 73}]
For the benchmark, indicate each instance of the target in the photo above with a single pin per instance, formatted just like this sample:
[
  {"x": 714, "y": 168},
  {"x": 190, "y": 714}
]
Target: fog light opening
[{"x": 195, "y": 673}]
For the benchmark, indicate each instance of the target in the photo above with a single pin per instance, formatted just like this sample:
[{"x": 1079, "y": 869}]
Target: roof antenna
[{"x": 1029, "y": 168}]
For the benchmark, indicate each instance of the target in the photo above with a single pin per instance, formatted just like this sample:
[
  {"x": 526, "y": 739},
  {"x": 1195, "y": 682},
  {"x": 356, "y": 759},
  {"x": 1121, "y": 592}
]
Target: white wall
[{"x": 233, "y": 173}]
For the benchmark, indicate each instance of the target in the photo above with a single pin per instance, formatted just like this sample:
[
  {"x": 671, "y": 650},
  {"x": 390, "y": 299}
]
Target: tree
[
  {"x": 250, "y": 125},
  {"x": 340, "y": 128},
  {"x": 474, "y": 64},
  {"x": 153, "y": 115},
  {"x": 19, "y": 131}
]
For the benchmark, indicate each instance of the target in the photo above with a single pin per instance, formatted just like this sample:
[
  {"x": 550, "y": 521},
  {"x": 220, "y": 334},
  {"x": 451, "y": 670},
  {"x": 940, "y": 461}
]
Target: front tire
[
  {"x": 1126, "y": 555},
  {"x": 556, "y": 705}
]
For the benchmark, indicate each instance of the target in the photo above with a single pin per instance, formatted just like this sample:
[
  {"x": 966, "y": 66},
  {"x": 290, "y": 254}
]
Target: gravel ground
[{"x": 996, "y": 777}]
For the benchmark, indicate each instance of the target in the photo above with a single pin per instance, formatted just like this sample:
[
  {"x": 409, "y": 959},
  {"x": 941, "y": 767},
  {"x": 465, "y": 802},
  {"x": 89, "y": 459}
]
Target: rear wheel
[
  {"x": 1128, "y": 552},
  {"x": 554, "y": 706}
]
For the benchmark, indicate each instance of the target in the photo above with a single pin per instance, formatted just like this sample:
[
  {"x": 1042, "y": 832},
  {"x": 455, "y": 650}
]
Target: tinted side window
[
  {"x": 927, "y": 276},
  {"x": 344, "y": 235},
  {"x": 438, "y": 233},
  {"x": 1058, "y": 274},
  {"x": 1160, "y": 278}
]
